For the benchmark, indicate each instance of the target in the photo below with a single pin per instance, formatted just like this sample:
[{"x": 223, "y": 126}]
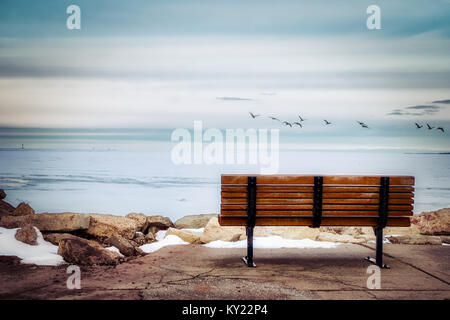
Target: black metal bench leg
[
  {"x": 379, "y": 249},
  {"x": 249, "y": 258}
]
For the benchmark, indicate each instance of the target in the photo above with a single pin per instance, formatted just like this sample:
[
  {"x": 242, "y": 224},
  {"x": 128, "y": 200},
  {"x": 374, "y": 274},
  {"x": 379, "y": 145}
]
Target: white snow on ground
[
  {"x": 272, "y": 242},
  {"x": 160, "y": 235},
  {"x": 170, "y": 240},
  {"x": 114, "y": 249},
  {"x": 43, "y": 254}
]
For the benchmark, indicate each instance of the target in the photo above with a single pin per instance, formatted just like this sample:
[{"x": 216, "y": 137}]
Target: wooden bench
[{"x": 314, "y": 201}]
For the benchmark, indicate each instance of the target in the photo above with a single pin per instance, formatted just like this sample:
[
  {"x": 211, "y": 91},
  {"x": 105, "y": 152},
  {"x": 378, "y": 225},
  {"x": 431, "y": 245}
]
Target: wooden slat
[
  {"x": 274, "y": 188},
  {"x": 265, "y": 206},
  {"x": 243, "y": 213},
  {"x": 332, "y": 195},
  {"x": 308, "y": 179},
  {"x": 303, "y": 221},
  {"x": 289, "y": 201}
]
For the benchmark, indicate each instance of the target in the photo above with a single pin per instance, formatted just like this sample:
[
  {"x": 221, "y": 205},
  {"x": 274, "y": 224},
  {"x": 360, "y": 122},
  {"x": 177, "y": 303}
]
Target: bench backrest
[{"x": 306, "y": 200}]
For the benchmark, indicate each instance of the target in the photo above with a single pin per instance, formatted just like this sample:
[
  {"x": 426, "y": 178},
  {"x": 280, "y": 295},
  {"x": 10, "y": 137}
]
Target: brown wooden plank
[
  {"x": 330, "y": 195},
  {"x": 287, "y": 188},
  {"x": 288, "y": 201},
  {"x": 308, "y": 179},
  {"x": 310, "y": 213},
  {"x": 265, "y": 206},
  {"x": 303, "y": 221}
]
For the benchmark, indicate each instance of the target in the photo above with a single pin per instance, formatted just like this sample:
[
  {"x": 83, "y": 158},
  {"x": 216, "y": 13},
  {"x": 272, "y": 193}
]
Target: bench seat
[{"x": 308, "y": 200}]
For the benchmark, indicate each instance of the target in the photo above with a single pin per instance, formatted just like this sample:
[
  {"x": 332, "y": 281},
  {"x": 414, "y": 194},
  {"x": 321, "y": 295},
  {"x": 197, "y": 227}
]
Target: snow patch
[
  {"x": 170, "y": 240},
  {"x": 160, "y": 235},
  {"x": 272, "y": 242},
  {"x": 114, "y": 249},
  {"x": 42, "y": 254}
]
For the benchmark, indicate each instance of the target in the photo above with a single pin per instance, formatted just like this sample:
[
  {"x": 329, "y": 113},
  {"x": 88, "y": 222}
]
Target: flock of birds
[
  {"x": 429, "y": 127},
  {"x": 301, "y": 119}
]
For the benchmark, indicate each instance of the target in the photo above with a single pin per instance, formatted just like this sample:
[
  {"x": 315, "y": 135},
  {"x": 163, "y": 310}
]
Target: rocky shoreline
[{"x": 104, "y": 239}]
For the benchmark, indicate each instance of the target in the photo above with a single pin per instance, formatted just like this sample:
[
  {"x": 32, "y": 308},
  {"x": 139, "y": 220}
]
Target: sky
[{"x": 164, "y": 64}]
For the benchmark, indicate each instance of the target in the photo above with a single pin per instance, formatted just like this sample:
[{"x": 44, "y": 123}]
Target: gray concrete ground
[{"x": 197, "y": 272}]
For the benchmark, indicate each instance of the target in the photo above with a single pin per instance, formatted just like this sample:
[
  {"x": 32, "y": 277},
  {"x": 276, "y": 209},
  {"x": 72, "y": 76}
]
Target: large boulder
[
  {"x": 4, "y": 213},
  {"x": 126, "y": 247},
  {"x": 187, "y": 236},
  {"x": 6, "y": 206},
  {"x": 156, "y": 223},
  {"x": 104, "y": 226},
  {"x": 214, "y": 231},
  {"x": 27, "y": 234},
  {"x": 80, "y": 252},
  {"x": 56, "y": 238},
  {"x": 11, "y": 222},
  {"x": 23, "y": 209},
  {"x": 49, "y": 222},
  {"x": 194, "y": 221},
  {"x": 61, "y": 222},
  {"x": 433, "y": 222},
  {"x": 141, "y": 220},
  {"x": 2, "y": 194},
  {"x": 415, "y": 239}
]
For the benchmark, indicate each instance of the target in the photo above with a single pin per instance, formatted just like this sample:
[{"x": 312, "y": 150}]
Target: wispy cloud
[
  {"x": 233, "y": 98},
  {"x": 442, "y": 101},
  {"x": 419, "y": 110}
]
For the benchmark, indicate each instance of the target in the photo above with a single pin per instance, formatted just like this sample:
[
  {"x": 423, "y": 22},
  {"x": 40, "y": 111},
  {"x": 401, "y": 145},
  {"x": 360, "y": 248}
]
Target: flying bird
[
  {"x": 418, "y": 125},
  {"x": 362, "y": 124},
  {"x": 440, "y": 128},
  {"x": 327, "y": 122},
  {"x": 429, "y": 127},
  {"x": 287, "y": 123},
  {"x": 254, "y": 115},
  {"x": 301, "y": 119},
  {"x": 299, "y": 124},
  {"x": 273, "y": 118}
]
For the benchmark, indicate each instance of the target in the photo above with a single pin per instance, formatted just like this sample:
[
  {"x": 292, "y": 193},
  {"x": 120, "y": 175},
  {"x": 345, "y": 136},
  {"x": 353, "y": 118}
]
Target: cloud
[
  {"x": 419, "y": 110},
  {"x": 233, "y": 98},
  {"x": 442, "y": 101}
]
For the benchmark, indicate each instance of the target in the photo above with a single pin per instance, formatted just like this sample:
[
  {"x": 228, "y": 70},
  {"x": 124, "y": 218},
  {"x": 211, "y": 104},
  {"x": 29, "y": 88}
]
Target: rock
[
  {"x": 142, "y": 239},
  {"x": 149, "y": 237},
  {"x": 4, "y": 213},
  {"x": 400, "y": 231},
  {"x": 194, "y": 221},
  {"x": 125, "y": 246},
  {"x": 344, "y": 238},
  {"x": 2, "y": 194},
  {"x": 104, "y": 226},
  {"x": 415, "y": 239},
  {"x": 27, "y": 234},
  {"x": 55, "y": 238},
  {"x": 156, "y": 223},
  {"x": 184, "y": 235},
  {"x": 6, "y": 206},
  {"x": 23, "y": 209},
  {"x": 433, "y": 222},
  {"x": 293, "y": 233},
  {"x": 214, "y": 231},
  {"x": 61, "y": 222},
  {"x": 80, "y": 252},
  {"x": 445, "y": 239},
  {"x": 11, "y": 222},
  {"x": 141, "y": 220}
]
